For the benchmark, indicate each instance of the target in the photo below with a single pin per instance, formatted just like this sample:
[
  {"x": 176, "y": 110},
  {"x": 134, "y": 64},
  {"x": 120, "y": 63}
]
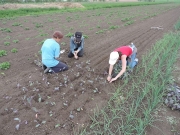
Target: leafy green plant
[
  {"x": 15, "y": 41},
  {"x": 14, "y": 50},
  {"x": 43, "y": 34},
  {"x": 41, "y": 42},
  {"x": 27, "y": 28},
  {"x": 114, "y": 27},
  {"x": 85, "y": 36},
  {"x": 6, "y": 29},
  {"x": 4, "y": 65},
  {"x": 98, "y": 26},
  {"x": 16, "y": 24},
  {"x": 38, "y": 25},
  {"x": 177, "y": 25},
  {"x": 129, "y": 23},
  {"x": 3, "y": 53},
  {"x": 63, "y": 43},
  {"x": 6, "y": 43},
  {"x": 69, "y": 34}
]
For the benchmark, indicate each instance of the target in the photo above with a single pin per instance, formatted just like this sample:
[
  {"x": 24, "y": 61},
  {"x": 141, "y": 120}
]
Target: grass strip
[
  {"x": 98, "y": 5},
  {"x": 8, "y": 13},
  {"x": 129, "y": 111}
]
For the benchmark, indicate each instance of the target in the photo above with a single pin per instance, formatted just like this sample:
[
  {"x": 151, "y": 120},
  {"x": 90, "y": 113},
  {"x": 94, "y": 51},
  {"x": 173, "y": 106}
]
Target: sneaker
[
  {"x": 48, "y": 70},
  {"x": 136, "y": 60}
]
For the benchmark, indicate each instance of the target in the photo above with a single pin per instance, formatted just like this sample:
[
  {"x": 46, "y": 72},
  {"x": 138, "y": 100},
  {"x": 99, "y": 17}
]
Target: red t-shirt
[{"x": 125, "y": 50}]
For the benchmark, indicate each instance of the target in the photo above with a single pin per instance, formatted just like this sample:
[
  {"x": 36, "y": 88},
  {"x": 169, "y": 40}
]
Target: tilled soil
[{"x": 59, "y": 104}]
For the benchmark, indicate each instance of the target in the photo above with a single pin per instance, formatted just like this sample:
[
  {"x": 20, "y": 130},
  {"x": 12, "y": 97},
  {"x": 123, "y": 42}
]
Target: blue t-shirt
[{"x": 50, "y": 50}]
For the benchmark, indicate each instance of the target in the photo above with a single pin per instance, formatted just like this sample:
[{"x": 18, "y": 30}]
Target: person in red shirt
[{"x": 126, "y": 55}]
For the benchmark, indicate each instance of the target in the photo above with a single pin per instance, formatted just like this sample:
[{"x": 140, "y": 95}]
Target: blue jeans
[{"x": 130, "y": 60}]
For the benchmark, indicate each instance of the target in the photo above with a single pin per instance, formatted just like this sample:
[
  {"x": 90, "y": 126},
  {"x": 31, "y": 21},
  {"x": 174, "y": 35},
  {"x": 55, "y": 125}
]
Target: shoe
[
  {"x": 48, "y": 70},
  {"x": 136, "y": 60}
]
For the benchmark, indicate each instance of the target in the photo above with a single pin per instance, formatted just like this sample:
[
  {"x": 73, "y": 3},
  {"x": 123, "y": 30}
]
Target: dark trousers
[
  {"x": 58, "y": 68},
  {"x": 80, "y": 53}
]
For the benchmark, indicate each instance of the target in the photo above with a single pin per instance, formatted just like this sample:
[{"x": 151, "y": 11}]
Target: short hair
[
  {"x": 120, "y": 54},
  {"x": 57, "y": 34}
]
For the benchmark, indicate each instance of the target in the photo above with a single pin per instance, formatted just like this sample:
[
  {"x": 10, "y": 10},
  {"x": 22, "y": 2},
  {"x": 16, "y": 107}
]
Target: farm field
[{"x": 40, "y": 104}]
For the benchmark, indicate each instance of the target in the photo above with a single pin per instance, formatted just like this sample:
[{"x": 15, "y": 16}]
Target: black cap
[{"x": 78, "y": 36}]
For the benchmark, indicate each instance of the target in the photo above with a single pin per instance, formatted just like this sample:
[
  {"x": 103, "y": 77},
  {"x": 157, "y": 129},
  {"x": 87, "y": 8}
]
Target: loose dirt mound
[{"x": 42, "y": 5}]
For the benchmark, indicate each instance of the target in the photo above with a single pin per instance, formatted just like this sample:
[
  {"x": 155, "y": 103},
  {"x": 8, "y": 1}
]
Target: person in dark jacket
[{"x": 76, "y": 45}]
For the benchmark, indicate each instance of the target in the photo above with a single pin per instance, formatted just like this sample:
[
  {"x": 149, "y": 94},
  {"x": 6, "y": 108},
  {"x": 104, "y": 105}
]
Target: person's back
[
  {"x": 50, "y": 50},
  {"x": 50, "y": 54}
]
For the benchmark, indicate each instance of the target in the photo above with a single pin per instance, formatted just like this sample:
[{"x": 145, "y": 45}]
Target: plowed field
[{"x": 58, "y": 104}]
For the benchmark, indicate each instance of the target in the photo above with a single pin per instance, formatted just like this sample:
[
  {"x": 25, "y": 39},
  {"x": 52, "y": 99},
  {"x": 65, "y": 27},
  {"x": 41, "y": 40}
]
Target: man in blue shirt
[
  {"x": 50, "y": 52},
  {"x": 76, "y": 45}
]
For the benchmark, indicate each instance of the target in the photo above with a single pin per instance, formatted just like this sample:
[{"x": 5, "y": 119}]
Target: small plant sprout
[
  {"x": 15, "y": 41},
  {"x": 27, "y": 28},
  {"x": 6, "y": 43},
  {"x": 77, "y": 74},
  {"x": 3, "y": 74},
  {"x": 16, "y": 24},
  {"x": 71, "y": 116},
  {"x": 31, "y": 83},
  {"x": 38, "y": 25},
  {"x": 69, "y": 34},
  {"x": 71, "y": 86},
  {"x": 113, "y": 27},
  {"x": 50, "y": 113},
  {"x": 14, "y": 50},
  {"x": 85, "y": 36},
  {"x": 41, "y": 42},
  {"x": 57, "y": 125},
  {"x": 53, "y": 103},
  {"x": 18, "y": 125},
  {"x": 39, "y": 124},
  {"x": 56, "y": 89},
  {"x": 40, "y": 98},
  {"x": 96, "y": 90},
  {"x": 6, "y": 29},
  {"x": 3, "y": 53},
  {"x": 79, "y": 109},
  {"x": 66, "y": 103},
  {"x": 63, "y": 43},
  {"x": 4, "y": 65},
  {"x": 88, "y": 62}
]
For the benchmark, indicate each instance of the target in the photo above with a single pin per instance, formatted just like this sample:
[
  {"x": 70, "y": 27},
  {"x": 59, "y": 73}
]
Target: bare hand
[
  {"x": 76, "y": 52},
  {"x": 75, "y": 56},
  {"x": 113, "y": 79},
  {"x": 109, "y": 78}
]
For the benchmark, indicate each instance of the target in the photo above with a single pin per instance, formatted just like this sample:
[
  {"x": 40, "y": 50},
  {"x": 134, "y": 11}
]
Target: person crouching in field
[
  {"x": 126, "y": 55},
  {"x": 50, "y": 53},
  {"x": 76, "y": 45}
]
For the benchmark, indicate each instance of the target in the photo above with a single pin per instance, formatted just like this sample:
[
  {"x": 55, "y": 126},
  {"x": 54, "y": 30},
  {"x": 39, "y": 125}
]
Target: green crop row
[{"x": 129, "y": 110}]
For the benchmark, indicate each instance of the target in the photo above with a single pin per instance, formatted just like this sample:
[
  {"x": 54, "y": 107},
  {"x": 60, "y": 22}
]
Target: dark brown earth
[{"x": 47, "y": 100}]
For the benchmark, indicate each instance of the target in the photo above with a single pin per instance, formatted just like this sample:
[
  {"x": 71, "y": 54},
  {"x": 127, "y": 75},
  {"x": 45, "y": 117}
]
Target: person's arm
[
  {"x": 123, "y": 59},
  {"x": 72, "y": 45},
  {"x": 57, "y": 51},
  {"x": 110, "y": 72},
  {"x": 82, "y": 45}
]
